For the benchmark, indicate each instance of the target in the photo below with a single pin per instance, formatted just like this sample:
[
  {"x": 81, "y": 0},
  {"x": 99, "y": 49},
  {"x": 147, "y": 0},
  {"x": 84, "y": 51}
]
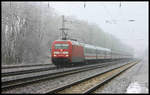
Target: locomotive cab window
[{"x": 61, "y": 46}]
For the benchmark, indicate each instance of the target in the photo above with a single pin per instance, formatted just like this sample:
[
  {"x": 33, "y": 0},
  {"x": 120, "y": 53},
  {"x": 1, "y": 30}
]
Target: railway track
[
  {"x": 25, "y": 69},
  {"x": 90, "y": 84},
  {"x": 30, "y": 80},
  {"x": 18, "y": 70},
  {"x": 25, "y": 65},
  {"x": 32, "y": 70}
]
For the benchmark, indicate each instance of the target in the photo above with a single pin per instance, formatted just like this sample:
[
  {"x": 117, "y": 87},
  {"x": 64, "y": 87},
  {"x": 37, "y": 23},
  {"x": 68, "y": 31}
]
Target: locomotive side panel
[{"x": 77, "y": 53}]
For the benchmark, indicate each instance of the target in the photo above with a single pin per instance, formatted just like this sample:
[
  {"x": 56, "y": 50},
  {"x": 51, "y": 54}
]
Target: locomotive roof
[
  {"x": 73, "y": 42},
  {"x": 87, "y": 45}
]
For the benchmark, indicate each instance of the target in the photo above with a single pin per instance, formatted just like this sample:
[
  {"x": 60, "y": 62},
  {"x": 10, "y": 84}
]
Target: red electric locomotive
[{"x": 66, "y": 52}]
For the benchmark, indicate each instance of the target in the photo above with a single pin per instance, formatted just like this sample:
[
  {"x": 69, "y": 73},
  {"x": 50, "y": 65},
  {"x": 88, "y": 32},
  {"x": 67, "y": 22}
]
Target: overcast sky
[{"x": 113, "y": 18}]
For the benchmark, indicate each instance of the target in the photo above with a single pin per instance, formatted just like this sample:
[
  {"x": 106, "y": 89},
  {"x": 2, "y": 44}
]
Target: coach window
[
  {"x": 86, "y": 49},
  {"x": 99, "y": 51}
]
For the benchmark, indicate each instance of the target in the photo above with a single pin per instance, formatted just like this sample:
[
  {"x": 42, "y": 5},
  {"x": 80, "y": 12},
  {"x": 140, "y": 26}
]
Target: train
[{"x": 70, "y": 52}]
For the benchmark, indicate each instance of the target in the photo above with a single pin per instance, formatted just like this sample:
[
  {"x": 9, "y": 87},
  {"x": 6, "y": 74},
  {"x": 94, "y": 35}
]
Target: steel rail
[
  {"x": 29, "y": 65},
  {"x": 58, "y": 89},
  {"x": 90, "y": 90},
  {"x": 26, "y": 71},
  {"x": 30, "y": 80}
]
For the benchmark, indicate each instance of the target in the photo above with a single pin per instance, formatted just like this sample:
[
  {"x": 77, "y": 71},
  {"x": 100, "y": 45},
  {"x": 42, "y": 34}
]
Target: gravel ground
[
  {"x": 26, "y": 64},
  {"x": 34, "y": 74},
  {"x": 139, "y": 73},
  {"x": 46, "y": 61},
  {"x": 42, "y": 87},
  {"x": 7, "y": 78},
  {"x": 82, "y": 87},
  {"x": 25, "y": 68}
]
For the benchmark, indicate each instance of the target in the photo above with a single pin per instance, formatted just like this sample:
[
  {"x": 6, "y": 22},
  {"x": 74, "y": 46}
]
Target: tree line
[{"x": 29, "y": 28}]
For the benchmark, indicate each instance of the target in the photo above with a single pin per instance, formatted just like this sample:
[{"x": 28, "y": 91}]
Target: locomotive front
[{"x": 61, "y": 52}]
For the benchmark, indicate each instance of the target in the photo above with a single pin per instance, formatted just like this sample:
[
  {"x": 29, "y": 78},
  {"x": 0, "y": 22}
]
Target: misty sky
[{"x": 113, "y": 18}]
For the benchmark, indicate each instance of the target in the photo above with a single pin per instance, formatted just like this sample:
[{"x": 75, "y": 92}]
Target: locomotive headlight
[
  {"x": 56, "y": 52},
  {"x": 54, "y": 55},
  {"x": 67, "y": 55},
  {"x": 65, "y": 52}
]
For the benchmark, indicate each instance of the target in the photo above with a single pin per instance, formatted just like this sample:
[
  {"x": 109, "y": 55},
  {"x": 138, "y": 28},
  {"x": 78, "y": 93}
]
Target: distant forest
[{"x": 29, "y": 28}]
